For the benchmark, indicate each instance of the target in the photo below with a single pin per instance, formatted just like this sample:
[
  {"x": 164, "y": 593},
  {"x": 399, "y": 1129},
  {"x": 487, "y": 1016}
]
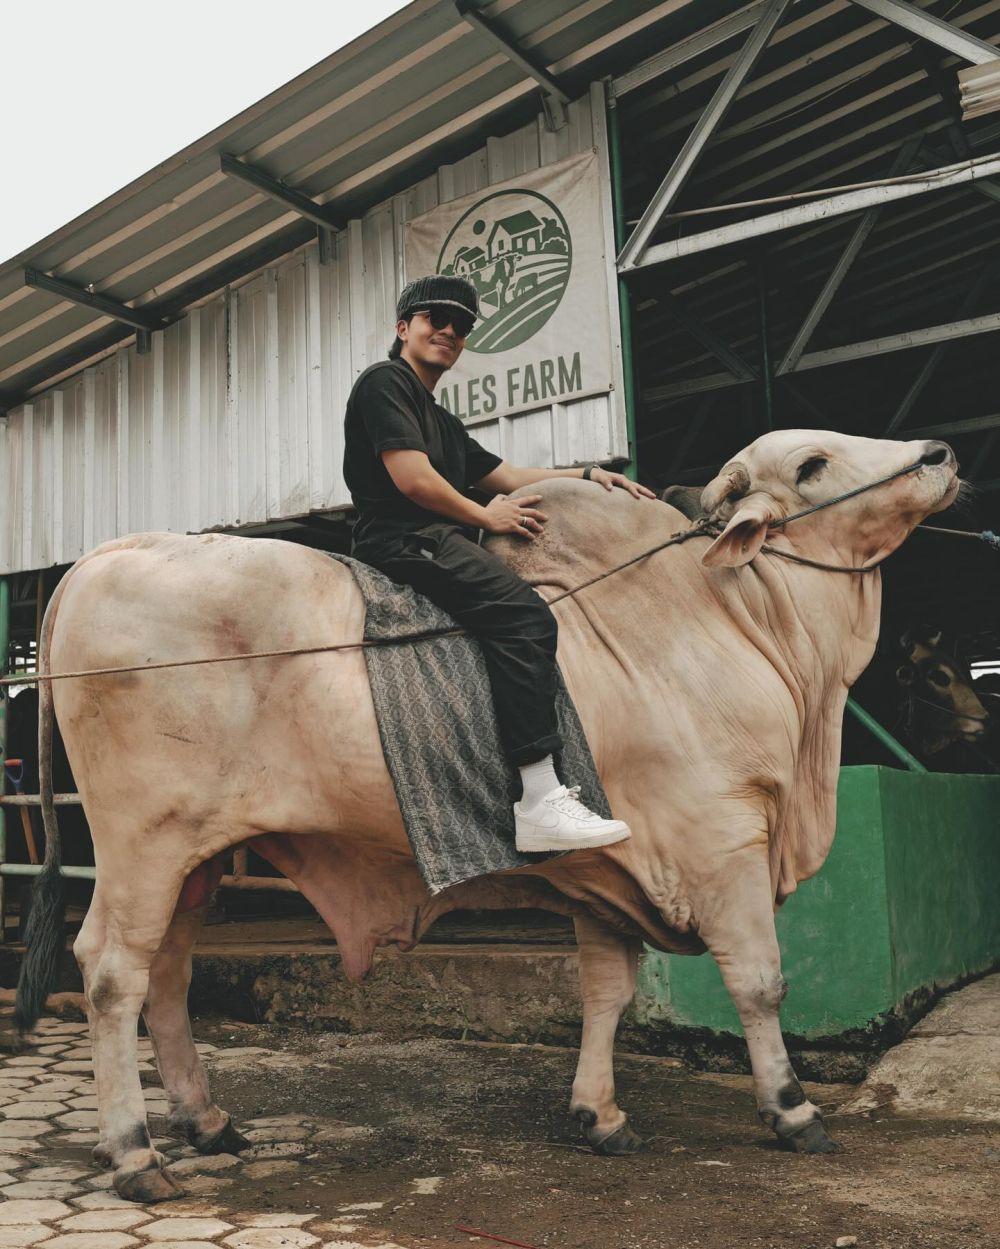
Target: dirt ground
[{"x": 447, "y": 1133}]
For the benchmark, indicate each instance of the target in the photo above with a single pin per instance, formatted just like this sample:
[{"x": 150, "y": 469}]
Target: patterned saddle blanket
[{"x": 439, "y": 734}]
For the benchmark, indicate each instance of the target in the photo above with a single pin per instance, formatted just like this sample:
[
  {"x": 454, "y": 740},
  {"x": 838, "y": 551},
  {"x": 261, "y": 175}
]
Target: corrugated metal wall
[{"x": 235, "y": 416}]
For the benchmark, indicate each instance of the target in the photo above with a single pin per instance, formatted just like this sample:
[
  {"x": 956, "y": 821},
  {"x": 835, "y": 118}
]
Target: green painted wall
[{"x": 906, "y": 899}]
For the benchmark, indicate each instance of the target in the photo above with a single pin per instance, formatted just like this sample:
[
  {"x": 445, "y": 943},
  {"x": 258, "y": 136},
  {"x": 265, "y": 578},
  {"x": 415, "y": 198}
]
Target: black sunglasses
[{"x": 440, "y": 318}]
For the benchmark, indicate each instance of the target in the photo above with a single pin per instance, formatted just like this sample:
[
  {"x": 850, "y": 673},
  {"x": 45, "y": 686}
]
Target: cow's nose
[{"x": 937, "y": 453}]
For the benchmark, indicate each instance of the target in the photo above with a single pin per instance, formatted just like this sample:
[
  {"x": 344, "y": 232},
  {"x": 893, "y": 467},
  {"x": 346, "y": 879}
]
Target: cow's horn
[{"x": 732, "y": 483}]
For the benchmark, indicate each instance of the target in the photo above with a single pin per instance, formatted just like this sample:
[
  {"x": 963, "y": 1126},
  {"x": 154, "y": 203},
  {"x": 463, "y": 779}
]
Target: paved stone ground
[{"x": 54, "y": 1196}]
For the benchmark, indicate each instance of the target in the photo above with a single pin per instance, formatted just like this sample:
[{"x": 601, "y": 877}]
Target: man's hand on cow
[
  {"x": 610, "y": 480},
  {"x": 518, "y": 516}
]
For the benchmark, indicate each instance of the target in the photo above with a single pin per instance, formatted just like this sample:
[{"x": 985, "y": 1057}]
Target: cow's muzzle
[{"x": 938, "y": 454}]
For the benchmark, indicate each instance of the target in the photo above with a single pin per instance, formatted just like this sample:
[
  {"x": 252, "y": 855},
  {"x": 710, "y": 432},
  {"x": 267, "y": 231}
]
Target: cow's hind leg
[
  {"x": 738, "y": 928},
  {"x": 115, "y": 949},
  {"x": 607, "y": 984},
  {"x": 192, "y": 1113}
]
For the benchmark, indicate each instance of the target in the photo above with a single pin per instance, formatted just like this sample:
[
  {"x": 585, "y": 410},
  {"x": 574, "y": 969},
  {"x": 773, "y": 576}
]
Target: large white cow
[{"x": 710, "y": 677}]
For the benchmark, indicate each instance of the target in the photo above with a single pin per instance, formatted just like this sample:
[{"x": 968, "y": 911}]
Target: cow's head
[
  {"x": 791, "y": 469},
  {"x": 942, "y": 706}
]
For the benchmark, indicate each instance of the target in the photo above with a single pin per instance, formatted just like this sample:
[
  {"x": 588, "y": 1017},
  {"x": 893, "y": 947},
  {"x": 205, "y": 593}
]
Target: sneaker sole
[{"x": 534, "y": 842}]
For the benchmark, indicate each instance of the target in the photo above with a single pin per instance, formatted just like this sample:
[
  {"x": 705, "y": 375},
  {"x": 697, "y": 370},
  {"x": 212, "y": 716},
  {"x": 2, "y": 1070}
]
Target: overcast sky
[{"x": 94, "y": 94}]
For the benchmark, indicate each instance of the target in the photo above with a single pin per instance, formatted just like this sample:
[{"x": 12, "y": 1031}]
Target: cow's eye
[
  {"x": 939, "y": 677},
  {"x": 811, "y": 468}
]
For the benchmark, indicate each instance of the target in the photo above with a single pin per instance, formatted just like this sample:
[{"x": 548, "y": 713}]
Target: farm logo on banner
[
  {"x": 515, "y": 247},
  {"x": 534, "y": 249}
]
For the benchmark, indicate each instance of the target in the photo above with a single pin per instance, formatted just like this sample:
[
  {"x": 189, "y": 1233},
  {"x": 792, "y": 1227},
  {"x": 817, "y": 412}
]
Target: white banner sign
[{"x": 534, "y": 247}]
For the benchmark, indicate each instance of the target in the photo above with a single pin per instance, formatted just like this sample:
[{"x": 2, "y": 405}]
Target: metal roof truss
[{"x": 637, "y": 252}]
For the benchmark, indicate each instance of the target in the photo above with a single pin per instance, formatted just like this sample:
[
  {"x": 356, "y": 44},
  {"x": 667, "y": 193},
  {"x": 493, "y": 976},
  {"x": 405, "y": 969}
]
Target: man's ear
[{"x": 743, "y": 537}]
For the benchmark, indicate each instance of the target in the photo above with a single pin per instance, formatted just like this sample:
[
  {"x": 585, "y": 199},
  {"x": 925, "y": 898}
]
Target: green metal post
[
  {"x": 766, "y": 377},
  {"x": 4, "y": 646},
  {"x": 624, "y": 298},
  {"x": 885, "y": 737}
]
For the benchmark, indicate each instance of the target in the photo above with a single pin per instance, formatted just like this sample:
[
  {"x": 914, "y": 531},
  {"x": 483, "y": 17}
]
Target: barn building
[{"x": 718, "y": 218}]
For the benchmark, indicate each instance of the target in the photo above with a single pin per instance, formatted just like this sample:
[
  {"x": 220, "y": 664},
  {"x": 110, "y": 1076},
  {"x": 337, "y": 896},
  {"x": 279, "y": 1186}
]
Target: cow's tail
[{"x": 44, "y": 933}]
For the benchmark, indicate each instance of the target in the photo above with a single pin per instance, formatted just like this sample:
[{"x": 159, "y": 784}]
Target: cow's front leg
[
  {"x": 607, "y": 983},
  {"x": 192, "y": 1112},
  {"x": 737, "y": 925}
]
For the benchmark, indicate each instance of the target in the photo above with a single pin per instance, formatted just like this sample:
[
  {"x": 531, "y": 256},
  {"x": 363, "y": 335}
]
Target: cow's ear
[{"x": 743, "y": 537}]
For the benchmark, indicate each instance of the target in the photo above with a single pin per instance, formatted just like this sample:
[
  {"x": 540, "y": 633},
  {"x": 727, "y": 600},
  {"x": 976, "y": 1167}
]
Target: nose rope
[
  {"x": 986, "y": 535},
  {"x": 848, "y": 494},
  {"x": 944, "y": 711},
  {"x": 704, "y": 529}
]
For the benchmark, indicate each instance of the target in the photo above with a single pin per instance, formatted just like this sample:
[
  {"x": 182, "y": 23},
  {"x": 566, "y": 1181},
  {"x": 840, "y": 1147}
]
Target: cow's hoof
[
  {"x": 151, "y": 1185},
  {"x": 618, "y": 1143},
  {"x": 228, "y": 1141},
  {"x": 101, "y": 1155},
  {"x": 812, "y": 1139},
  {"x": 621, "y": 1142}
]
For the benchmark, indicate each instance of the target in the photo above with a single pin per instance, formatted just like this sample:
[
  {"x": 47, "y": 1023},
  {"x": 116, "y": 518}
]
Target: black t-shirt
[{"x": 389, "y": 409}]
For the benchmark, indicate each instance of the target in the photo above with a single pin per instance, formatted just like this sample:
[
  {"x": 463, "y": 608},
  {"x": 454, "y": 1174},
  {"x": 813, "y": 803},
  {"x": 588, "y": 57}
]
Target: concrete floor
[{"x": 948, "y": 1065}]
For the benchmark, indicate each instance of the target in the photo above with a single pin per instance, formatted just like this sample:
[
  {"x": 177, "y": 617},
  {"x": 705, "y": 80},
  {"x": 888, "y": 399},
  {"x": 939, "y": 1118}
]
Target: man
[{"x": 409, "y": 464}]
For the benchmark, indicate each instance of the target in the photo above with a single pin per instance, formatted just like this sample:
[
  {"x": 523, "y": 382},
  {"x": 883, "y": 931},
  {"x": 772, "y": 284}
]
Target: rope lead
[{"x": 705, "y": 529}]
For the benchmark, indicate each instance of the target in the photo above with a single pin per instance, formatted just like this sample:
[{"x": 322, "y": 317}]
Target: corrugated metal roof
[
  {"x": 234, "y": 418},
  {"x": 420, "y": 89}
]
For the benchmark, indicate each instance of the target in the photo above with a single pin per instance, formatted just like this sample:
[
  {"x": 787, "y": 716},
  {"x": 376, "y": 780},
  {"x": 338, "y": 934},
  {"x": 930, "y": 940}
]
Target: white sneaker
[{"x": 561, "y": 822}]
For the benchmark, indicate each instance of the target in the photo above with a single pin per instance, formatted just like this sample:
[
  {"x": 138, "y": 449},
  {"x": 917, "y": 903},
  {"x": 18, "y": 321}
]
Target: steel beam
[
  {"x": 847, "y": 257},
  {"x": 945, "y": 89},
  {"x": 708, "y": 338},
  {"x": 89, "y": 299},
  {"x": 836, "y": 355},
  {"x": 934, "y": 359},
  {"x": 287, "y": 196},
  {"x": 616, "y": 169},
  {"x": 974, "y": 425},
  {"x": 818, "y": 210},
  {"x": 764, "y": 339},
  {"x": 652, "y": 396},
  {"x": 927, "y": 26},
  {"x": 929, "y": 157},
  {"x": 718, "y": 106},
  {"x": 901, "y": 342},
  {"x": 554, "y": 96},
  {"x": 685, "y": 50},
  {"x": 326, "y": 238}
]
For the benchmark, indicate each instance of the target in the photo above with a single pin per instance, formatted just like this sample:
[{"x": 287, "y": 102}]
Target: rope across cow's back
[{"x": 702, "y": 529}]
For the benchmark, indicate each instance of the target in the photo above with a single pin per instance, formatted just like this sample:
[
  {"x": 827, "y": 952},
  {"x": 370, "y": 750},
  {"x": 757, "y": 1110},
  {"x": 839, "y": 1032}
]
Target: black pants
[{"x": 513, "y": 625}]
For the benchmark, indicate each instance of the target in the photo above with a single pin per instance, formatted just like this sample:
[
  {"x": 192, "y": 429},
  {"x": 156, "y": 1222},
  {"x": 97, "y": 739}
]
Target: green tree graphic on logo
[{"x": 515, "y": 247}]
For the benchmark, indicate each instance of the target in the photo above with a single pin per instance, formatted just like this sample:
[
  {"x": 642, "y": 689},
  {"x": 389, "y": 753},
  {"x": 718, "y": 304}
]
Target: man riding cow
[
  {"x": 710, "y": 678},
  {"x": 409, "y": 463}
]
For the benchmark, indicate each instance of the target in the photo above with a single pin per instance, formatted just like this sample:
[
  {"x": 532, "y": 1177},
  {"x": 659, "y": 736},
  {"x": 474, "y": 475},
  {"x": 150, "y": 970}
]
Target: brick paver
[{"x": 48, "y": 1099}]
